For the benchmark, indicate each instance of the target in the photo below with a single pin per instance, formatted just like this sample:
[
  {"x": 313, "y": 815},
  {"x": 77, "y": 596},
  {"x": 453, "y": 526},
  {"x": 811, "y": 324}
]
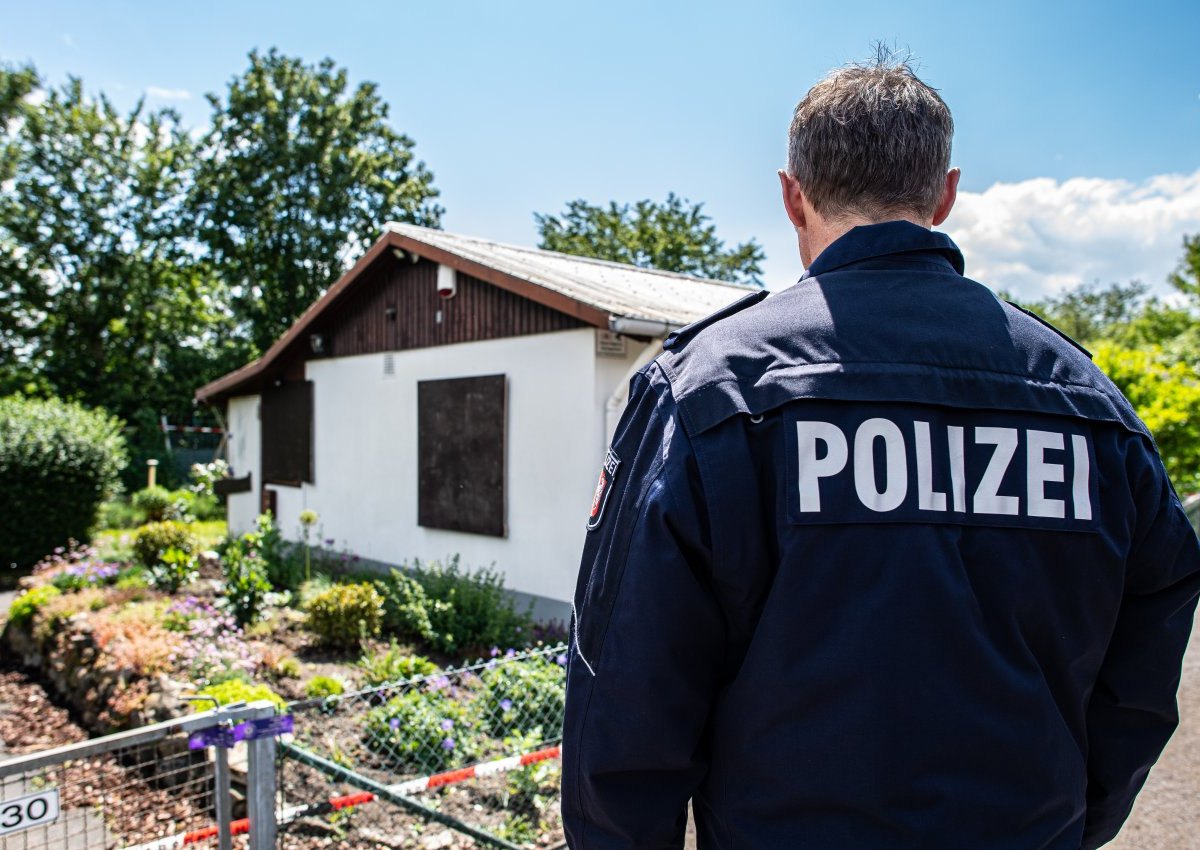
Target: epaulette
[
  {"x": 1042, "y": 321},
  {"x": 680, "y": 337}
]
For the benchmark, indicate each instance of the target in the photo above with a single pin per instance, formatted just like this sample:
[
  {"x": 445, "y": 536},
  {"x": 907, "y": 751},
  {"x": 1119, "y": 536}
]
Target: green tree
[
  {"x": 674, "y": 236},
  {"x": 102, "y": 299},
  {"x": 297, "y": 175},
  {"x": 1186, "y": 277},
  {"x": 1166, "y": 395},
  {"x": 16, "y": 84}
]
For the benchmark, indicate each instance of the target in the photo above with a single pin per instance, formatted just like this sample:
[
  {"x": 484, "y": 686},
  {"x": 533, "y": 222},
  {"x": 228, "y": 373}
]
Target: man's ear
[
  {"x": 949, "y": 195},
  {"x": 793, "y": 198}
]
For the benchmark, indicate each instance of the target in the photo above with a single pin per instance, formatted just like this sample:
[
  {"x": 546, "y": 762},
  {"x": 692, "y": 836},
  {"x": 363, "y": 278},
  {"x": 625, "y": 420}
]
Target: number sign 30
[{"x": 28, "y": 811}]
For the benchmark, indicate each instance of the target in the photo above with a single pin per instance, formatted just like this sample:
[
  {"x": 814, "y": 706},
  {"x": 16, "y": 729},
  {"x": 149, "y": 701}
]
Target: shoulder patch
[
  {"x": 604, "y": 486},
  {"x": 1042, "y": 321},
  {"x": 680, "y": 337}
]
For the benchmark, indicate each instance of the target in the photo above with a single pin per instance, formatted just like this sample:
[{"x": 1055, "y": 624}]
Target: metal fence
[
  {"x": 463, "y": 757},
  {"x": 184, "y": 781}
]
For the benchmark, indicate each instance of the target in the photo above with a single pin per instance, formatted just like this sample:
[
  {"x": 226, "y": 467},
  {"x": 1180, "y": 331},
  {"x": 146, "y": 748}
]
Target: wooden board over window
[
  {"x": 287, "y": 433},
  {"x": 460, "y": 447}
]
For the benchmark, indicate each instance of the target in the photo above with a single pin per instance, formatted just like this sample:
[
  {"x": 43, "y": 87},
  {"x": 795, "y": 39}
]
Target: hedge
[{"x": 58, "y": 462}]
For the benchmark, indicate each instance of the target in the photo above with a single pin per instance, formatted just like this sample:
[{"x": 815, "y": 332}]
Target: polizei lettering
[{"x": 934, "y": 465}]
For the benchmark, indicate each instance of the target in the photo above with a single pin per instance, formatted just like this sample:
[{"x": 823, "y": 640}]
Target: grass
[{"x": 116, "y": 544}]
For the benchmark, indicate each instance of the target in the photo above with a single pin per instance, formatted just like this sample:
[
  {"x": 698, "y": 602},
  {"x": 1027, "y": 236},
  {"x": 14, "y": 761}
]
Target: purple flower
[
  {"x": 447, "y": 725},
  {"x": 510, "y": 653},
  {"x": 517, "y": 630},
  {"x": 447, "y": 743},
  {"x": 394, "y": 723},
  {"x": 329, "y": 541},
  {"x": 562, "y": 660},
  {"x": 505, "y": 704},
  {"x": 494, "y": 651}
]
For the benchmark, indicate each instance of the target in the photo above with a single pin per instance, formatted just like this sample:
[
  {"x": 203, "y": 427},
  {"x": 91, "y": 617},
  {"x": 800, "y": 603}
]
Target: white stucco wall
[
  {"x": 244, "y": 455},
  {"x": 365, "y": 455}
]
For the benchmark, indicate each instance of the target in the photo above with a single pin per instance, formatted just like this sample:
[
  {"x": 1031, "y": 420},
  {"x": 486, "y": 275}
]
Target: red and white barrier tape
[
  {"x": 411, "y": 786},
  {"x": 450, "y": 777}
]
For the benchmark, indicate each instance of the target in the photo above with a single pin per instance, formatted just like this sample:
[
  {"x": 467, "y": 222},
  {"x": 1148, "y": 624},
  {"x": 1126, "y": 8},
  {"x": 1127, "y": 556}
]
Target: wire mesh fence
[
  {"x": 457, "y": 758},
  {"x": 148, "y": 788}
]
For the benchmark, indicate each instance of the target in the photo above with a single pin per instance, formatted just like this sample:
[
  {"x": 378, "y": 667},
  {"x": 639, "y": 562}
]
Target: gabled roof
[
  {"x": 597, "y": 292},
  {"x": 615, "y": 288}
]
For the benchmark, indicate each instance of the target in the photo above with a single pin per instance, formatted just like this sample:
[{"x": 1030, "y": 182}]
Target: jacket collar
[{"x": 871, "y": 241}]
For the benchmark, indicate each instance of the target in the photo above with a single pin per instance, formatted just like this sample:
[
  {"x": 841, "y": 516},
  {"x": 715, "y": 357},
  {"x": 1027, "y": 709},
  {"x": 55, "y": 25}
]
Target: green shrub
[
  {"x": 26, "y": 605},
  {"x": 174, "y": 569},
  {"x": 521, "y": 698},
  {"x": 425, "y": 730},
  {"x": 132, "y": 578},
  {"x": 204, "y": 506},
  {"x": 454, "y": 610},
  {"x": 246, "y": 584},
  {"x": 59, "y": 462},
  {"x": 323, "y": 686},
  {"x": 237, "y": 690},
  {"x": 160, "y": 504},
  {"x": 346, "y": 614},
  {"x": 155, "y": 538},
  {"x": 120, "y": 513},
  {"x": 393, "y": 665}
]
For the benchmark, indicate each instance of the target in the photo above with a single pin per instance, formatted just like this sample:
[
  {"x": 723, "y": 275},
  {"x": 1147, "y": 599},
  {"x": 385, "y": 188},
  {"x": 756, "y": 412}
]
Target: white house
[{"x": 451, "y": 395}]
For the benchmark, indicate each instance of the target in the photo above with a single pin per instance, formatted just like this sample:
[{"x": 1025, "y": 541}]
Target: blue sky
[{"x": 1078, "y": 123}]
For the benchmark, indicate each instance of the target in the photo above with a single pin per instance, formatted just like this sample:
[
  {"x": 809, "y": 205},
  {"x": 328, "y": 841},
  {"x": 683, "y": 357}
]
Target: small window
[
  {"x": 460, "y": 447},
  {"x": 287, "y": 415}
]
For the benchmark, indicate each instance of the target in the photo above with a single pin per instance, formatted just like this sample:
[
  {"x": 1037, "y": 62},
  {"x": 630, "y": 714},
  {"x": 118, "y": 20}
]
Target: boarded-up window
[
  {"x": 460, "y": 446},
  {"x": 287, "y": 431}
]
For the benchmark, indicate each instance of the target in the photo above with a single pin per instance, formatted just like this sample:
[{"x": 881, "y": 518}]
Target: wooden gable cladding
[{"x": 396, "y": 307}]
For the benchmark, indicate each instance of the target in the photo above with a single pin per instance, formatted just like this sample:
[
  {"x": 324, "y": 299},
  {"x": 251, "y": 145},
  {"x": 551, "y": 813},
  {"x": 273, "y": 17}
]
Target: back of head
[{"x": 871, "y": 141}]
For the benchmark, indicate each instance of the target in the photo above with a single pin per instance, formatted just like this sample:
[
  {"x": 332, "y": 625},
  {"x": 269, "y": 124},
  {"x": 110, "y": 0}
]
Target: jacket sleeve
[
  {"x": 646, "y": 643},
  {"x": 1133, "y": 712}
]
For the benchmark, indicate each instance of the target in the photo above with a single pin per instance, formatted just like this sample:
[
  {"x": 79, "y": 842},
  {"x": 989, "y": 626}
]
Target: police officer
[{"x": 880, "y": 561}]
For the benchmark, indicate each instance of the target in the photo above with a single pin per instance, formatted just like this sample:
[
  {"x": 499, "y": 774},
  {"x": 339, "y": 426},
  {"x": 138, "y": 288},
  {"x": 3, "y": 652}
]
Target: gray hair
[{"x": 871, "y": 140}]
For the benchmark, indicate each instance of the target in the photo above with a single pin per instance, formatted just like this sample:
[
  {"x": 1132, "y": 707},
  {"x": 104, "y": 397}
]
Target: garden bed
[{"x": 124, "y": 641}]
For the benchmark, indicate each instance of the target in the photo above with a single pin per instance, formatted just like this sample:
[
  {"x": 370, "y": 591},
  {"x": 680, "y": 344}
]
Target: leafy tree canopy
[
  {"x": 103, "y": 299},
  {"x": 1166, "y": 395},
  {"x": 295, "y": 177},
  {"x": 674, "y": 236}
]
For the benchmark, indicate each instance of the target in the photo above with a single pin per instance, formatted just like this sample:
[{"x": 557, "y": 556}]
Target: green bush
[
  {"x": 132, "y": 578},
  {"x": 155, "y": 538},
  {"x": 58, "y": 462},
  {"x": 452, "y": 609},
  {"x": 120, "y": 513},
  {"x": 160, "y": 504},
  {"x": 425, "y": 730},
  {"x": 393, "y": 665},
  {"x": 246, "y": 584},
  {"x": 346, "y": 614},
  {"x": 323, "y": 686},
  {"x": 26, "y": 605},
  {"x": 521, "y": 698},
  {"x": 237, "y": 690},
  {"x": 174, "y": 569}
]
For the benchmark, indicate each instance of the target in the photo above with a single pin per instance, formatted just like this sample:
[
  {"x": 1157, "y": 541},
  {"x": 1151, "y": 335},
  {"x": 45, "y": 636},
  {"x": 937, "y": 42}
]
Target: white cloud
[
  {"x": 168, "y": 94},
  {"x": 1040, "y": 236}
]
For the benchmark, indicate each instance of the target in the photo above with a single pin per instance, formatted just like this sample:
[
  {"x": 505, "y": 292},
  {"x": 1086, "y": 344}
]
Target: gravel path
[{"x": 1166, "y": 815}]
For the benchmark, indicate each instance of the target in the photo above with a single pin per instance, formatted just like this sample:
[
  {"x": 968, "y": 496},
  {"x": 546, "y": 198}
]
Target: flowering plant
[{"x": 214, "y": 648}]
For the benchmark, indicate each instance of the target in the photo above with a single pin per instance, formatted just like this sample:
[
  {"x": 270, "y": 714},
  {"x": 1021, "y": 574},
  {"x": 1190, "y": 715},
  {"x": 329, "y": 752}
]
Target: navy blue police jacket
[{"x": 880, "y": 561}]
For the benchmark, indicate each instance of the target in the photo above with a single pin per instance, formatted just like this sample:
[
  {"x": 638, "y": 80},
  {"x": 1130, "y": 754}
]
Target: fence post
[
  {"x": 224, "y": 818},
  {"x": 260, "y": 788}
]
